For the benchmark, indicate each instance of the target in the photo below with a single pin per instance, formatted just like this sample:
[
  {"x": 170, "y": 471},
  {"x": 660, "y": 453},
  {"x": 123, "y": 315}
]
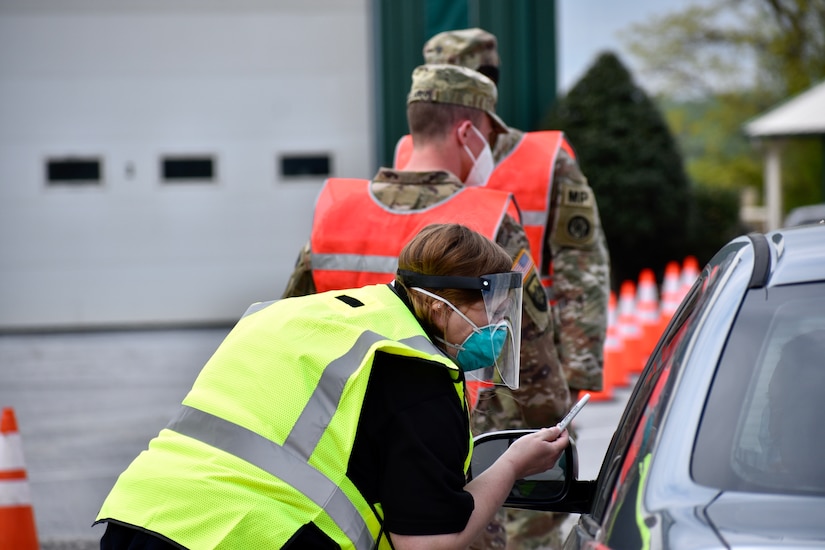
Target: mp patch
[{"x": 576, "y": 218}]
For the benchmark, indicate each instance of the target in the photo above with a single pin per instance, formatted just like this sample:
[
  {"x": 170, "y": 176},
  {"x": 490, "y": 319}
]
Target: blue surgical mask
[{"x": 482, "y": 347}]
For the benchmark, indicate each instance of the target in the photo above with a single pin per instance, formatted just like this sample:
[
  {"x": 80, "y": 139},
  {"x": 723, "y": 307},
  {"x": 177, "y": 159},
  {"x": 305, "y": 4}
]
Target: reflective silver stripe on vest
[
  {"x": 290, "y": 461},
  {"x": 355, "y": 262},
  {"x": 316, "y": 416},
  {"x": 528, "y": 217},
  {"x": 279, "y": 462}
]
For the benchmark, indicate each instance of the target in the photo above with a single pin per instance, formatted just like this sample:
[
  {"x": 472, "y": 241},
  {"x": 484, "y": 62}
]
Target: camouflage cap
[
  {"x": 456, "y": 85},
  {"x": 470, "y": 48}
]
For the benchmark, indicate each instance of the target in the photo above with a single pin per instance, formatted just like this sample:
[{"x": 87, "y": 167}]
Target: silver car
[{"x": 722, "y": 442}]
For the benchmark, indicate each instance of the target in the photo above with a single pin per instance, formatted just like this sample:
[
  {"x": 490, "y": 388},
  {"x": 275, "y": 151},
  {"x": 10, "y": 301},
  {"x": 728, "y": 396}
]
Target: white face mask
[{"x": 482, "y": 166}]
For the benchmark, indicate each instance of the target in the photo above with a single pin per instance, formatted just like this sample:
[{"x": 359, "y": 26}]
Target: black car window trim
[{"x": 761, "y": 260}]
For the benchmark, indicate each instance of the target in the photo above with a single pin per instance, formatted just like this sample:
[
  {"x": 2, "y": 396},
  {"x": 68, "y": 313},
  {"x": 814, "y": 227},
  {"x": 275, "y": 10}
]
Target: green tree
[
  {"x": 632, "y": 162},
  {"x": 713, "y": 221},
  {"x": 725, "y": 62},
  {"x": 775, "y": 47}
]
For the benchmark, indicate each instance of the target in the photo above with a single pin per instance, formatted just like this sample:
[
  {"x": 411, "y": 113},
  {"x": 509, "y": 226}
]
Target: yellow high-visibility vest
[{"x": 262, "y": 442}]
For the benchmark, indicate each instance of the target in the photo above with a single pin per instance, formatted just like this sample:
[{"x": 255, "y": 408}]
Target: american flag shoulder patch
[{"x": 524, "y": 263}]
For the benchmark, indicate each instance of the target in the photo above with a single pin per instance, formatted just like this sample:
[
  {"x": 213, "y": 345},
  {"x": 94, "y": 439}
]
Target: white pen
[{"x": 573, "y": 412}]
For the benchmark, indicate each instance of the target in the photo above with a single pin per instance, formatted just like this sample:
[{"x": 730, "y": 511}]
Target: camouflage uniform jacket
[
  {"x": 578, "y": 250},
  {"x": 543, "y": 396}
]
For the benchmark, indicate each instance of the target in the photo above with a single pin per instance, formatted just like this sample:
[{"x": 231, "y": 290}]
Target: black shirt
[{"x": 409, "y": 451}]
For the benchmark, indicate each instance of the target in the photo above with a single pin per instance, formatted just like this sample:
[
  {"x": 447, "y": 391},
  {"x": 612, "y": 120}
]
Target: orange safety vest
[
  {"x": 356, "y": 240},
  {"x": 527, "y": 172}
]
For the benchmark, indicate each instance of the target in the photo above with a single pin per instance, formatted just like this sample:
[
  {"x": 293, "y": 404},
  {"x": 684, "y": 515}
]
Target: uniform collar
[{"x": 436, "y": 177}]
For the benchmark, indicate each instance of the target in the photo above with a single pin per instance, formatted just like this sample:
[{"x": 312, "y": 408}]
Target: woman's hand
[
  {"x": 528, "y": 455},
  {"x": 536, "y": 452}
]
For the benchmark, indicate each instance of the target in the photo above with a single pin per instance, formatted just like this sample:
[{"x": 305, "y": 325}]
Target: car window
[{"x": 763, "y": 429}]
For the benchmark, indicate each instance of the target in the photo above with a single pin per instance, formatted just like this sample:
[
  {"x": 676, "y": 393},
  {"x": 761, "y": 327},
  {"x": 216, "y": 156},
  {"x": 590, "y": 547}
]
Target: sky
[{"x": 588, "y": 27}]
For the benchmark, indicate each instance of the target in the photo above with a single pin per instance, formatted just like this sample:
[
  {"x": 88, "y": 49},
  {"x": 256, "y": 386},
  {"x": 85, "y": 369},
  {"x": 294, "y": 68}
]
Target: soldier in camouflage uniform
[
  {"x": 578, "y": 250},
  {"x": 576, "y": 255},
  {"x": 435, "y": 172},
  {"x": 444, "y": 103}
]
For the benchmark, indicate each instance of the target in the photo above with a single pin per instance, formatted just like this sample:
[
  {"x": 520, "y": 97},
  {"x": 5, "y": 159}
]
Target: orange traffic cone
[
  {"x": 17, "y": 527},
  {"x": 612, "y": 374},
  {"x": 647, "y": 312},
  {"x": 629, "y": 329},
  {"x": 614, "y": 347},
  {"x": 671, "y": 295},
  {"x": 690, "y": 272}
]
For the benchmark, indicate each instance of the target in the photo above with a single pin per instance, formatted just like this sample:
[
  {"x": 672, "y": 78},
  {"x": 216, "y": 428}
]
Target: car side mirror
[{"x": 535, "y": 492}]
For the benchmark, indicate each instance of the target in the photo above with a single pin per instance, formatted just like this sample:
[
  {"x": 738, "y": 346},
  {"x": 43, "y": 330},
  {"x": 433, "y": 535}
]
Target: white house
[{"x": 800, "y": 116}]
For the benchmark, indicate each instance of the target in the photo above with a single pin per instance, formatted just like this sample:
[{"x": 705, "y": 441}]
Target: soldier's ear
[{"x": 462, "y": 131}]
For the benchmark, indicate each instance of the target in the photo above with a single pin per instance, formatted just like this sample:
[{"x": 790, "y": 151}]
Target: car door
[{"x": 614, "y": 520}]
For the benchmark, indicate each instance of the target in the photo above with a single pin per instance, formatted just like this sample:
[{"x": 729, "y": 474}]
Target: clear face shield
[{"x": 491, "y": 352}]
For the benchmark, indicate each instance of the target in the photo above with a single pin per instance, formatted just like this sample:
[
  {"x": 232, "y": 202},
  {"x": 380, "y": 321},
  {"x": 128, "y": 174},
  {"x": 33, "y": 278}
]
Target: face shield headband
[{"x": 491, "y": 351}]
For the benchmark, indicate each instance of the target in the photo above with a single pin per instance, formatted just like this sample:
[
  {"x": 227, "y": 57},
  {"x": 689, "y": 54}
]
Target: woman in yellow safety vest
[{"x": 338, "y": 420}]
